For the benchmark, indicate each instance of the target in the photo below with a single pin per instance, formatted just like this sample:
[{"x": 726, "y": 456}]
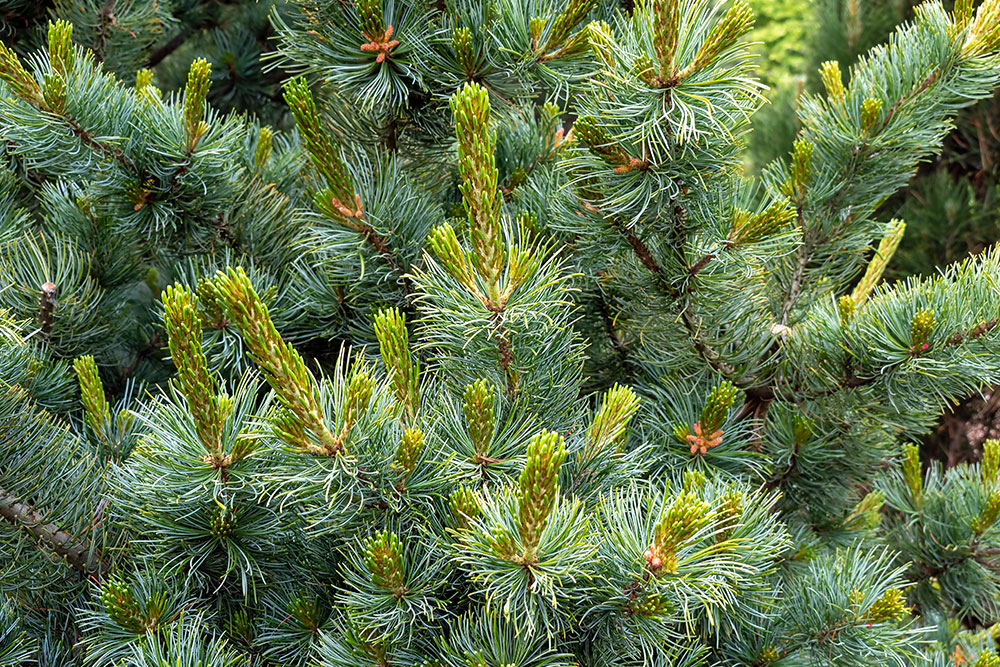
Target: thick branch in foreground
[{"x": 84, "y": 558}]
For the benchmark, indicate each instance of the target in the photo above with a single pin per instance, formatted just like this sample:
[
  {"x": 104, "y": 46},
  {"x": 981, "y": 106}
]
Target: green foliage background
[{"x": 951, "y": 206}]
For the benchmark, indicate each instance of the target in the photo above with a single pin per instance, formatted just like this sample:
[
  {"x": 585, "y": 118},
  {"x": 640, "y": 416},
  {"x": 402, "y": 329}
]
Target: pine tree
[
  {"x": 496, "y": 359},
  {"x": 949, "y": 205},
  {"x": 127, "y": 36}
]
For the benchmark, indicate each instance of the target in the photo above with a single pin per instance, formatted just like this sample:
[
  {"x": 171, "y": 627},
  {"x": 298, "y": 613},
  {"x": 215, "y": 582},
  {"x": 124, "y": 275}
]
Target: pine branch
[
  {"x": 802, "y": 256},
  {"x": 105, "y": 19},
  {"x": 46, "y": 308},
  {"x": 157, "y": 56},
  {"x": 506, "y": 353},
  {"x": 82, "y": 556},
  {"x": 109, "y": 150},
  {"x": 938, "y": 101},
  {"x": 284, "y": 368},
  {"x": 617, "y": 344},
  {"x": 976, "y": 332},
  {"x": 645, "y": 256}
]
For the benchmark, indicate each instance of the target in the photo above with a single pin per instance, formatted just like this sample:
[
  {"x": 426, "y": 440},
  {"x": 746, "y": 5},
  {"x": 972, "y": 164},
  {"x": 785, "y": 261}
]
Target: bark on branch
[{"x": 84, "y": 558}]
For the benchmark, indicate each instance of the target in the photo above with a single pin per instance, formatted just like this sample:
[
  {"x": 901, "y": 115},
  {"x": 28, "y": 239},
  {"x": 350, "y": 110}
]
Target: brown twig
[
  {"x": 506, "y": 353},
  {"x": 106, "y": 18},
  {"x": 107, "y": 149},
  {"x": 83, "y": 557},
  {"x": 157, "y": 56},
  {"x": 645, "y": 256},
  {"x": 977, "y": 331},
  {"x": 609, "y": 328},
  {"x": 46, "y": 306}
]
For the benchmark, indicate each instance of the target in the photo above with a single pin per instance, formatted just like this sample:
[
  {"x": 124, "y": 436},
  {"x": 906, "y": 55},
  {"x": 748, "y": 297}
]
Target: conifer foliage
[{"x": 495, "y": 359}]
